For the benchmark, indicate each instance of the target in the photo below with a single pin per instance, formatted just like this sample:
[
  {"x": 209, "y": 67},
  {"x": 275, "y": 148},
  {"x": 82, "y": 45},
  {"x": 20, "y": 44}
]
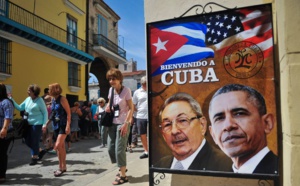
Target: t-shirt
[
  {"x": 121, "y": 100},
  {"x": 140, "y": 99}
]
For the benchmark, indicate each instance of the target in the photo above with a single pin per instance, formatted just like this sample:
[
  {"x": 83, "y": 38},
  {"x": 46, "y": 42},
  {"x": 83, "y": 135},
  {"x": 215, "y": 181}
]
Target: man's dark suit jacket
[
  {"x": 208, "y": 158},
  {"x": 268, "y": 165}
]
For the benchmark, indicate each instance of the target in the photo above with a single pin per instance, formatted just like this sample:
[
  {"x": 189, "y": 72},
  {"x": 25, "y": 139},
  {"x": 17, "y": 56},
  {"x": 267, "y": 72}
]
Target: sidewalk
[{"x": 87, "y": 164}]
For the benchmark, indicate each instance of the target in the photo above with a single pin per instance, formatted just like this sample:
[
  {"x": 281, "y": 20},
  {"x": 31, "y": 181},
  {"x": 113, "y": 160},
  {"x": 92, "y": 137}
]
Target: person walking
[
  {"x": 102, "y": 129},
  {"x": 49, "y": 131},
  {"x": 85, "y": 120},
  {"x": 61, "y": 118},
  {"x": 75, "y": 114},
  {"x": 134, "y": 133},
  {"x": 94, "y": 125},
  {"x": 45, "y": 97},
  {"x": 119, "y": 131},
  {"x": 37, "y": 115},
  {"x": 140, "y": 102},
  {"x": 6, "y": 117}
]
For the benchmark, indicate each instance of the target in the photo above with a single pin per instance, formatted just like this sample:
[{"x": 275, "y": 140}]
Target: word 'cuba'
[{"x": 191, "y": 76}]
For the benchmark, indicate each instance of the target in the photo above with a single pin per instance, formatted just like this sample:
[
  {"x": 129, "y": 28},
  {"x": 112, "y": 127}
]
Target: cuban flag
[{"x": 177, "y": 43}]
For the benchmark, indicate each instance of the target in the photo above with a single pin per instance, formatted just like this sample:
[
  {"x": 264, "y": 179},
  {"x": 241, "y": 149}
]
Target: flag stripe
[
  {"x": 189, "y": 58},
  {"x": 186, "y": 32},
  {"x": 191, "y": 50},
  {"x": 252, "y": 33}
]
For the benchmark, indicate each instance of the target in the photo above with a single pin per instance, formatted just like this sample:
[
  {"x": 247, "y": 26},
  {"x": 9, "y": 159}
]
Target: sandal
[
  {"x": 118, "y": 175},
  {"x": 120, "y": 180},
  {"x": 58, "y": 173}
]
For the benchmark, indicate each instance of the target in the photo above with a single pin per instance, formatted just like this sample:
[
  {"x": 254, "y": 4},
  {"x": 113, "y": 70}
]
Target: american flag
[{"x": 247, "y": 24}]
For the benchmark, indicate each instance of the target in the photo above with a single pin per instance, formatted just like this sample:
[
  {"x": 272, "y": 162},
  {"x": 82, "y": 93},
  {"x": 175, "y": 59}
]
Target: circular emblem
[{"x": 243, "y": 60}]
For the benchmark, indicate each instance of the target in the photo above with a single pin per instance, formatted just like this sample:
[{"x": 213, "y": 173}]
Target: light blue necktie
[{"x": 178, "y": 165}]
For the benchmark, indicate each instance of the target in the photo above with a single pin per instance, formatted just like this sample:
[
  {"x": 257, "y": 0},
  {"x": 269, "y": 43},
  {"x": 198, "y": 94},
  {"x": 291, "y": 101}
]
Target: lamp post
[{"x": 122, "y": 40}]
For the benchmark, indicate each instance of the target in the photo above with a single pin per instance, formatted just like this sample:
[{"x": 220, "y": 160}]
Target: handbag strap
[{"x": 111, "y": 98}]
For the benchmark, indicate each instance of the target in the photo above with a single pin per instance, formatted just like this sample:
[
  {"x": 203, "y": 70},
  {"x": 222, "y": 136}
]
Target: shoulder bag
[{"x": 107, "y": 117}]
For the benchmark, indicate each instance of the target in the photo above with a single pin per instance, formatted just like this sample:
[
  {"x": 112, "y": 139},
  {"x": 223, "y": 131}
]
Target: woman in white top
[
  {"x": 119, "y": 131},
  {"x": 102, "y": 129}
]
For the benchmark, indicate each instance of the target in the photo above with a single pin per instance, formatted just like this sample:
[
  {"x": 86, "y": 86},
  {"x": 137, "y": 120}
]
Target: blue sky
[{"x": 132, "y": 28}]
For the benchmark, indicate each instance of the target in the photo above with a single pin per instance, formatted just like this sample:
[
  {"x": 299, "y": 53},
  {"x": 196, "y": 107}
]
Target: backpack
[{"x": 21, "y": 130}]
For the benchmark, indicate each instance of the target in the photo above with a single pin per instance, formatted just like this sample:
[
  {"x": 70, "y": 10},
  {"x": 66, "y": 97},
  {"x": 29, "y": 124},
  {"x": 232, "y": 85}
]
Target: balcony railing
[
  {"x": 26, "y": 18},
  {"x": 101, "y": 40}
]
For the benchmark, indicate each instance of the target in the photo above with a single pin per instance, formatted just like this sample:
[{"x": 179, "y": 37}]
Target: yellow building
[{"x": 42, "y": 42}]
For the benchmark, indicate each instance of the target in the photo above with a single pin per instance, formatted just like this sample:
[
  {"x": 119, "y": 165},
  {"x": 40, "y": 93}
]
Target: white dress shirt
[
  {"x": 250, "y": 165},
  {"x": 189, "y": 160}
]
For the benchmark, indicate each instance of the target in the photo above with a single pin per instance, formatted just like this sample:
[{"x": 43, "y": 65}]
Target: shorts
[
  {"x": 142, "y": 125},
  {"x": 61, "y": 130}
]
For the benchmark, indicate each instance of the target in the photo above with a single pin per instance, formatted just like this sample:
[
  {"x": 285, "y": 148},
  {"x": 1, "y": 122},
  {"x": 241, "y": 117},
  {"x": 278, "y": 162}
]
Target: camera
[
  {"x": 53, "y": 116},
  {"x": 116, "y": 110},
  {"x": 25, "y": 115}
]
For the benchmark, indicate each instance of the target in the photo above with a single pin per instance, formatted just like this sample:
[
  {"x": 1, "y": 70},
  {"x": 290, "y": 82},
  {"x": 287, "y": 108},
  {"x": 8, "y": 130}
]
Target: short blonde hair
[
  {"x": 101, "y": 100},
  {"x": 55, "y": 89}
]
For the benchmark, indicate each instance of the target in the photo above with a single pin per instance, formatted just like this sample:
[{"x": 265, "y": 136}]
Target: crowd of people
[{"x": 57, "y": 124}]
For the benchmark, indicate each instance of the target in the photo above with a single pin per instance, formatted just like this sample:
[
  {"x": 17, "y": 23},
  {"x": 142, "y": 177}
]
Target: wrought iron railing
[
  {"x": 24, "y": 17},
  {"x": 101, "y": 40}
]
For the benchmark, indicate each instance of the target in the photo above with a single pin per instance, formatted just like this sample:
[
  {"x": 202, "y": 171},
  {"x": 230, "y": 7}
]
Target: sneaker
[
  {"x": 52, "y": 151},
  {"x": 102, "y": 146},
  {"x": 41, "y": 154},
  {"x": 69, "y": 150},
  {"x": 144, "y": 155},
  {"x": 33, "y": 161}
]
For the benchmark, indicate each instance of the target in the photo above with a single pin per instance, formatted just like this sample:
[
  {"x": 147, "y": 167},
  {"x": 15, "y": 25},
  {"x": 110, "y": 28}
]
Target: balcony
[
  {"x": 16, "y": 21},
  {"x": 108, "y": 48}
]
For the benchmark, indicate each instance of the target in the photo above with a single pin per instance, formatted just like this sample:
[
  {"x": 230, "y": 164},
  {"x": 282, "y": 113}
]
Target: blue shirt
[
  {"x": 93, "y": 110},
  {"x": 37, "y": 110},
  {"x": 6, "y": 112},
  {"x": 60, "y": 113}
]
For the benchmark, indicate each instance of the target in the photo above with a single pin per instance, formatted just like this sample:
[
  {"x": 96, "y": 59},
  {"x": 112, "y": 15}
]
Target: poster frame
[{"x": 156, "y": 174}]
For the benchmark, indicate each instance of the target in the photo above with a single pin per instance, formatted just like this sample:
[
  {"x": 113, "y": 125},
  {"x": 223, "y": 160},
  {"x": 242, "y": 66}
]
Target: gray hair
[
  {"x": 143, "y": 80},
  {"x": 101, "y": 99},
  {"x": 181, "y": 96}
]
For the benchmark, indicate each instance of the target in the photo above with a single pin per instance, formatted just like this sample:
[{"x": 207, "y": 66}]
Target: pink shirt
[{"x": 121, "y": 100}]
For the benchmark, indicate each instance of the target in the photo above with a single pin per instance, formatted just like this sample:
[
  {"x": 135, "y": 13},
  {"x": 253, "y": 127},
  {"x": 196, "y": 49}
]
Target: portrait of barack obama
[{"x": 239, "y": 126}]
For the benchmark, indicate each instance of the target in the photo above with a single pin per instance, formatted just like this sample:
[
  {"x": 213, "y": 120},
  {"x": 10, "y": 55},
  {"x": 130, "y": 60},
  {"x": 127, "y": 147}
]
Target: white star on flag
[{"x": 160, "y": 45}]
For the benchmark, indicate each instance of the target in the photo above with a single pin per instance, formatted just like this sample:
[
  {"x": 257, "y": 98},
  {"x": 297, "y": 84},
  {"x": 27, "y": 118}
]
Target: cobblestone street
[{"x": 87, "y": 164}]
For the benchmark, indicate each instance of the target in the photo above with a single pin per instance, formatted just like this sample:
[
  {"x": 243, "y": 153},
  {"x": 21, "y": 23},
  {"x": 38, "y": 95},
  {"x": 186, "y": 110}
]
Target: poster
[{"x": 224, "y": 61}]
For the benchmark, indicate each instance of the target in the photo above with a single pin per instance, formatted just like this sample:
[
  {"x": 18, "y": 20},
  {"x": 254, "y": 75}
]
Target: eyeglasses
[
  {"x": 180, "y": 122},
  {"x": 112, "y": 79}
]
